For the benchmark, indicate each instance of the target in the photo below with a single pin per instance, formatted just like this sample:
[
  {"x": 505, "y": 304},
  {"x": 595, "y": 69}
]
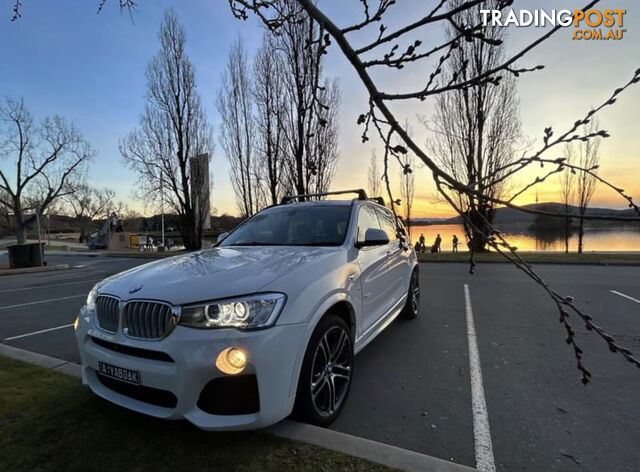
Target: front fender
[{"x": 321, "y": 309}]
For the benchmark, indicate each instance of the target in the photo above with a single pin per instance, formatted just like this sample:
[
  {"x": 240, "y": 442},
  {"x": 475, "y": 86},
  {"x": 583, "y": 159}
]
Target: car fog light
[{"x": 232, "y": 360}]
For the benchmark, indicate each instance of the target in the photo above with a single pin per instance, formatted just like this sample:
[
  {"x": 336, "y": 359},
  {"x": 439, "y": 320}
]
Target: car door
[
  {"x": 377, "y": 284},
  {"x": 397, "y": 262}
]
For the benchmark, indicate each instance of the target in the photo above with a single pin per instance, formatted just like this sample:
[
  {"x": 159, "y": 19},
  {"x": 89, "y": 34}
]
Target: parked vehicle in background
[{"x": 267, "y": 322}]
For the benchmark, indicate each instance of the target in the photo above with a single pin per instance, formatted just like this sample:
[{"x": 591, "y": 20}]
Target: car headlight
[
  {"x": 91, "y": 298},
  {"x": 256, "y": 311}
]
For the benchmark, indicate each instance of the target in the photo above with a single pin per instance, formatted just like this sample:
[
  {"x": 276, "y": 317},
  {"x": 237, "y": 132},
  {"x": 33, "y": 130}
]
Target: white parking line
[
  {"x": 48, "y": 286},
  {"x": 37, "y": 332},
  {"x": 6, "y": 307},
  {"x": 625, "y": 296},
  {"x": 481, "y": 432}
]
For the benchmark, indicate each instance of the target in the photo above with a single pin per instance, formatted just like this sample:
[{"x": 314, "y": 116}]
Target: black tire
[
  {"x": 322, "y": 376},
  {"x": 412, "y": 306}
]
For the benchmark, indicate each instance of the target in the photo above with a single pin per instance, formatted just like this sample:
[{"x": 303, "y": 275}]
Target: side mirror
[
  {"x": 221, "y": 237},
  {"x": 373, "y": 237}
]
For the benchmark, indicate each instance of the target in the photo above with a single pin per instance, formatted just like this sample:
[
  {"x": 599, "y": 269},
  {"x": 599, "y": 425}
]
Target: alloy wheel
[
  {"x": 415, "y": 294},
  {"x": 331, "y": 371}
]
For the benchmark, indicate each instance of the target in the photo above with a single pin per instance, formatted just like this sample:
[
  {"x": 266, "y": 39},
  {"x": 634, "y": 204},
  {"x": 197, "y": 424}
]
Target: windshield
[{"x": 291, "y": 225}]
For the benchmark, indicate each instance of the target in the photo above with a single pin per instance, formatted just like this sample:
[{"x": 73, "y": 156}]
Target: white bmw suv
[{"x": 266, "y": 323}]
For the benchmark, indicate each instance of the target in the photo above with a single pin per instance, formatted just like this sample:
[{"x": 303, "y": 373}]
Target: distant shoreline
[{"x": 527, "y": 226}]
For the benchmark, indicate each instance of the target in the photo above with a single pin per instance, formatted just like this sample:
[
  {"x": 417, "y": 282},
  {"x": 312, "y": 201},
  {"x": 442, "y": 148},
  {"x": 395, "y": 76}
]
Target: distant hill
[
  {"x": 427, "y": 221},
  {"x": 510, "y": 216}
]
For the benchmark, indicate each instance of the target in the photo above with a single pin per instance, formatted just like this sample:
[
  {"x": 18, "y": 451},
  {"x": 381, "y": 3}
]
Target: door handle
[{"x": 390, "y": 253}]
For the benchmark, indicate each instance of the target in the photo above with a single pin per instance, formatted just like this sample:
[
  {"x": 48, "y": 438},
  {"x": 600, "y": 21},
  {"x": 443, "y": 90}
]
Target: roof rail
[
  {"x": 362, "y": 195},
  {"x": 378, "y": 200}
]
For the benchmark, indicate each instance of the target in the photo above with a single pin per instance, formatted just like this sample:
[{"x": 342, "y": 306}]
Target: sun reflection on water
[{"x": 595, "y": 239}]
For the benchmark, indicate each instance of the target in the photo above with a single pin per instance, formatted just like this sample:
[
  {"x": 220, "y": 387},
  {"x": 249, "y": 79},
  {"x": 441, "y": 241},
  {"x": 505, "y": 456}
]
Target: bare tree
[
  {"x": 48, "y": 160},
  {"x": 87, "y": 203},
  {"x": 407, "y": 187},
  {"x": 312, "y": 104},
  {"x": 586, "y": 154},
  {"x": 269, "y": 116},
  {"x": 173, "y": 131},
  {"x": 476, "y": 128},
  {"x": 407, "y": 180},
  {"x": 236, "y": 107},
  {"x": 374, "y": 177},
  {"x": 377, "y": 45},
  {"x": 567, "y": 194},
  {"x": 322, "y": 139}
]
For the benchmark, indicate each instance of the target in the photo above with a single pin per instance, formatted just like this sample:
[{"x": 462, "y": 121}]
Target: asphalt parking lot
[{"x": 413, "y": 385}]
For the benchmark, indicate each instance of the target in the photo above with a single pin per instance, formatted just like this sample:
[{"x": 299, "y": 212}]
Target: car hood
[{"x": 211, "y": 274}]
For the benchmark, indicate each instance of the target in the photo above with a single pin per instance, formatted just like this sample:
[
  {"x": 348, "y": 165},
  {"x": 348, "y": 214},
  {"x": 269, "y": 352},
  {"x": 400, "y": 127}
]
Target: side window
[
  {"x": 366, "y": 219},
  {"x": 387, "y": 223}
]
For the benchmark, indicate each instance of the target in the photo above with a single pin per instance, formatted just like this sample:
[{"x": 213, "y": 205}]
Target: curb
[
  {"x": 41, "y": 360},
  {"x": 75, "y": 253},
  {"x": 373, "y": 451},
  {"x": 33, "y": 270}
]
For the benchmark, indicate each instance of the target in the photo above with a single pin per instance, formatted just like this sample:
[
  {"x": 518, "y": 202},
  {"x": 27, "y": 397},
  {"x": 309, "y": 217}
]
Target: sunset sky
[{"x": 90, "y": 68}]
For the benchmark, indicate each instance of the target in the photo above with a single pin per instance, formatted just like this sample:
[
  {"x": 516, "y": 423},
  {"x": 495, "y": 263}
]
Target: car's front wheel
[{"x": 325, "y": 378}]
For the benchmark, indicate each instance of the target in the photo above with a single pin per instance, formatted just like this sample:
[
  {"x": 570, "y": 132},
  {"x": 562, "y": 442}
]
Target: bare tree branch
[{"x": 380, "y": 118}]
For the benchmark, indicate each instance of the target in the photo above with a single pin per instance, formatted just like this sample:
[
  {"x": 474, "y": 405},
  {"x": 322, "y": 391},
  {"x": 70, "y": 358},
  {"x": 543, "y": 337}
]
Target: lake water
[{"x": 595, "y": 239}]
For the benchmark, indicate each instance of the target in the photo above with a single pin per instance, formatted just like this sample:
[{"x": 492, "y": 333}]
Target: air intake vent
[
  {"x": 147, "y": 320},
  {"x": 108, "y": 310}
]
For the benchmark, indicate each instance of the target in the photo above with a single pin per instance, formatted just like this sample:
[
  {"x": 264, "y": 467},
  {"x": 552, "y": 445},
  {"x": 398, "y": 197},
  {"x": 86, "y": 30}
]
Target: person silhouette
[
  {"x": 455, "y": 243},
  {"x": 438, "y": 243},
  {"x": 422, "y": 243}
]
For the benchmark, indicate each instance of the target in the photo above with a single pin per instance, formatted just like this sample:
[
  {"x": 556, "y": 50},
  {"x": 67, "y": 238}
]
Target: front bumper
[{"x": 272, "y": 358}]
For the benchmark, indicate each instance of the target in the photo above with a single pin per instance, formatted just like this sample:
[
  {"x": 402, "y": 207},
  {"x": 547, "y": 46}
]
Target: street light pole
[{"x": 39, "y": 235}]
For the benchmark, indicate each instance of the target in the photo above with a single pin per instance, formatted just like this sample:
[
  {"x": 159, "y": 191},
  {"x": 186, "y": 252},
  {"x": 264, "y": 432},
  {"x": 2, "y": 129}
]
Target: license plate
[{"x": 118, "y": 373}]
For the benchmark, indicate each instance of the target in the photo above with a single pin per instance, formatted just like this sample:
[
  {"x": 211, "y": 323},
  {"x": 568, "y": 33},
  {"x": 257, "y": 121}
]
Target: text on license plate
[{"x": 118, "y": 373}]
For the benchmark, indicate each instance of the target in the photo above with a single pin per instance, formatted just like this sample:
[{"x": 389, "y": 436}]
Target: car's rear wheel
[
  {"x": 412, "y": 307},
  {"x": 325, "y": 378}
]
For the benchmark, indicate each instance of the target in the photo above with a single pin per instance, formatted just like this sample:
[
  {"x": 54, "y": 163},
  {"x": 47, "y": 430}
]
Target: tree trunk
[
  {"x": 300, "y": 184},
  {"x": 567, "y": 222},
  {"x": 478, "y": 230},
  {"x": 581, "y": 236},
  {"x": 21, "y": 231},
  {"x": 191, "y": 232},
  {"x": 19, "y": 224},
  {"x": 190, "y": 239}
]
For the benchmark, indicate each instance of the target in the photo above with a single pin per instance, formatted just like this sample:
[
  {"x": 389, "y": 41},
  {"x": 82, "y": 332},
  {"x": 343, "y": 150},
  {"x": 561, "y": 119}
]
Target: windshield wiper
[
  {"x": 255, "y": 243},
  {"x": 316, "y": 244}
]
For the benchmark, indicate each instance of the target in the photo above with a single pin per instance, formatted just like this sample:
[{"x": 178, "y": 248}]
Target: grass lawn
[
  {"x": 49, "y": 422},
  {"x": 558, "y": 257}
]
